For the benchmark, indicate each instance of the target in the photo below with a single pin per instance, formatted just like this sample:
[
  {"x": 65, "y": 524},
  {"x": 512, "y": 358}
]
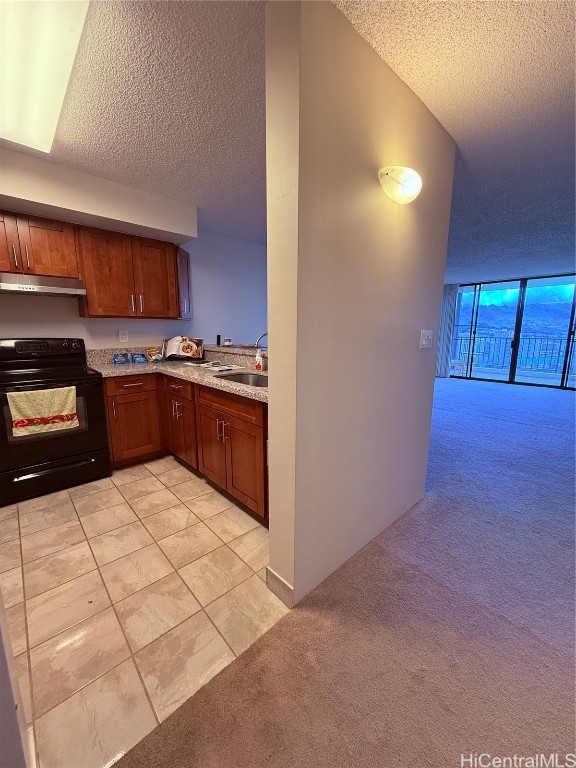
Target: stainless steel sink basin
[
  {"x": 246, "y": 346},
  {"x": 252, "y": 379}
]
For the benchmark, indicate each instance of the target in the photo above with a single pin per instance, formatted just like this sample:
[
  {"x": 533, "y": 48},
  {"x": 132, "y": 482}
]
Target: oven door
[{"x": 19, "y": 452}]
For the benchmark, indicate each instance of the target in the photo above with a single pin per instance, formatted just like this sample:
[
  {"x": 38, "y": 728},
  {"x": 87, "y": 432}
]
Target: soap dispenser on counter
[{"x": 260, "y": 360}]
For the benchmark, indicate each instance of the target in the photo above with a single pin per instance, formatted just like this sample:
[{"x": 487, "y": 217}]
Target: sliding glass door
[
  {"x": 466, "y": 306},
  {"x": 517, "y": 331},
  {"x": 569, "y": 375},
  {"x": 543, "y": 339},
  {"x": 494, "y": 330}
]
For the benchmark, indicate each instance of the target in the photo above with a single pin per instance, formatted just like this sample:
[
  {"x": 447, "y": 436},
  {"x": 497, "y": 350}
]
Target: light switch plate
[
  {"x": 122, "y": 335},
  {"x": 426, "y": 339}
]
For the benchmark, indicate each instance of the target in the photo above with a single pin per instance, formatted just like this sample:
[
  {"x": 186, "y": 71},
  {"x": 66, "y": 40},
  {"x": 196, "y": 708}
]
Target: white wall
[
  {"x": 228, "y": 297},
  {"x": 369, "y": 277},
  {"x": 228, "y": 288},
  {"x": 282, "y": 169},
  {"x": 35, "y": 185}
]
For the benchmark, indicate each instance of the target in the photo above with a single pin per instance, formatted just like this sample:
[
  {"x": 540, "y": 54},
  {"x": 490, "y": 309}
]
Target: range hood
[{"x": 40, "y": 285}]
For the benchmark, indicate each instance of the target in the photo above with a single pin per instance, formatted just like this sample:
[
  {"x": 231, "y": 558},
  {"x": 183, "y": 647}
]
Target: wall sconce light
[{"x": 400, "y": 183}]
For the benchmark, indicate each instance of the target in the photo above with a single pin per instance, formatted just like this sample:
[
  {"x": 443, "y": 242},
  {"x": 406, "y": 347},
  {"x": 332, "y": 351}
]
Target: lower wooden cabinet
[
  {"x": 232, "y": 449},
  {"x": 134, "y": 425},
  {"x": 179, "y": 415},
  {"x": 211, "y": 446},
  {"x": 220, "y": 434},
  {"x": 245, "y": 463}
]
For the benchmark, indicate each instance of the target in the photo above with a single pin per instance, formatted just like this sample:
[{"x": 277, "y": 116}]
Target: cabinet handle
[
  {"x": 15, "y": 257},
  {"x": 178, "y": 411},
  {"x": 218, "y": 422},
  {"x": 185, "y": 305},
  {"x": 27, "y": 256},
  {"x": 173, "y": 408},
  {"x": 138, "y": 384},
  {"x": 114, "y": 410},
  {"x": 224, "y": 435},
  {"x": 141, "y": 304},
  {"x": 174, "y": 386},
  {"x": 132, "y": 300}
]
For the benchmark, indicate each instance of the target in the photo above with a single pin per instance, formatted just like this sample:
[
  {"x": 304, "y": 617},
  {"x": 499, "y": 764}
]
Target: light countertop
[{"x": 194, "y": 373}]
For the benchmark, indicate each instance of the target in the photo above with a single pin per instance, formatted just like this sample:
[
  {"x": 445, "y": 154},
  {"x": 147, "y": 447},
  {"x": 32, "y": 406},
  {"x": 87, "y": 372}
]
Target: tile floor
[{"x": 123, "y": 597}]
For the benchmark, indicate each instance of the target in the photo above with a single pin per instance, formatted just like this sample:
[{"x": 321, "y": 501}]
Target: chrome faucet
[{"x": 259, "y": 339}]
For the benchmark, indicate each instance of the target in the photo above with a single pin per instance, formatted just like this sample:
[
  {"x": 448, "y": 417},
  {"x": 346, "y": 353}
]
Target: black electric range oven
[{"x": 32, "y": 465}]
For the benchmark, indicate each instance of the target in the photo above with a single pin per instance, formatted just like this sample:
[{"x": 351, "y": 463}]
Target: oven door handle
[
  {"x": 81, "y": 386},
  {"x": 51, "y": 471}
]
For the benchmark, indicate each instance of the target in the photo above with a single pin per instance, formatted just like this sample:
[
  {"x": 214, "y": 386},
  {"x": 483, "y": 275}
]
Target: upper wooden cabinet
[
  {"x": 184, "y": 284},
  {"x": 106, "y": 267},
  {"x": 154, "y": 278},
  {"x": 47, "y": 247},
  {"x": 9, "y": 245},
  {"x": 127, "y": 276},
  {"x": 37, "y": 246}
]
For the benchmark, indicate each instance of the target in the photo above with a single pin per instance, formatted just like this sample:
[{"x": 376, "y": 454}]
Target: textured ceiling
[
  {"x": 499, "y": 76},
  {"x": 169, "y": 97}
]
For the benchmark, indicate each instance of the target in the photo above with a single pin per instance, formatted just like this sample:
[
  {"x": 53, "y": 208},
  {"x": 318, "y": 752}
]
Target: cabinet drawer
[
  {"x": 235, "y": 405},
  {"x": 124, "y": 385},
  {"x": 179, "y": 387}
]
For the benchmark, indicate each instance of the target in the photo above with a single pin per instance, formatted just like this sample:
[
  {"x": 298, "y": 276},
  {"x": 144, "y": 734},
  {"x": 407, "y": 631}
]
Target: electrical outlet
[
  {"x": 122, "y": 335},
  {"x": 426, "y": 339}
]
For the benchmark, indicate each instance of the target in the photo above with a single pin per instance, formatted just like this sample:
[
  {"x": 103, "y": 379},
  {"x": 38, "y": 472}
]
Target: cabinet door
[
  {"x": 47, "y": 247},
  {"x": 106, "y": 266},
  {"x": 211, "y": 448},
  {"x": 246, "y": 463},
  {"x": 176, "y": 423},
  {"x": 154, "y": 278},
  {"x": 10, "y": 258},
  {"x": 186, "y": 415},
  {"x": 134, "y": 425},
  {"x": 184, "y": 284},
  {"x": 165, "y": 411}
]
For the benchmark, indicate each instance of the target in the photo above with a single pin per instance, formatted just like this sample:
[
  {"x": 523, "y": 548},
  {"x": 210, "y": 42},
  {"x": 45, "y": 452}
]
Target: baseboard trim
[{"x": 281, "y": 588}]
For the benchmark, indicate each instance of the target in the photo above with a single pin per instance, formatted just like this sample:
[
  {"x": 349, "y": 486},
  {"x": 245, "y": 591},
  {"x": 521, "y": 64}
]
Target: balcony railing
[{"x": 535, "y": 353}]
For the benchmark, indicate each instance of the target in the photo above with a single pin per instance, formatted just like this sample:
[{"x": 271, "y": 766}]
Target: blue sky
[{"x": 549, "y": 294}]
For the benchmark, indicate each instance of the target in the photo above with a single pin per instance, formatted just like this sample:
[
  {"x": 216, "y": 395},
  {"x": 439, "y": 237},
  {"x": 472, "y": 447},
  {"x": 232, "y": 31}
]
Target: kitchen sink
[
  {"x": 252, "y": 379},
  {"x": 244, "y": 346}
]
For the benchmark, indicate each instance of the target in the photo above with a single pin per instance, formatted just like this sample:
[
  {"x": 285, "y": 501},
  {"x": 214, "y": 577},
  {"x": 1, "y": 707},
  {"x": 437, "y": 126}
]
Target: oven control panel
[
  {"x": 38, "y": 348},
  {"x": 32, "y": 346}
]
